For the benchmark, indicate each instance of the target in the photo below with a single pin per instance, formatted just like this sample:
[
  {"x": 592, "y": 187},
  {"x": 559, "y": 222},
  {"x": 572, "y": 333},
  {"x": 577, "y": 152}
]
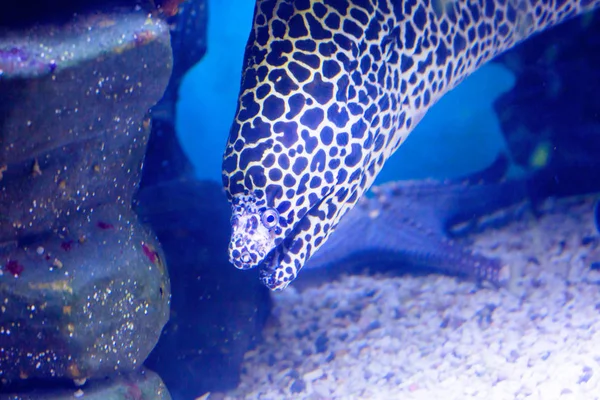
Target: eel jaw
[
  {"x": 283, "y": 264},
  {"x": 273, "y": 273}
]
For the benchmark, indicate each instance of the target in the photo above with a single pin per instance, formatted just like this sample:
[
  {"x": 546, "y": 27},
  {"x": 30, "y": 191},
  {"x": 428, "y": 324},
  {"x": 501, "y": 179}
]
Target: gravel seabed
[{"x": 438, "y": 337}]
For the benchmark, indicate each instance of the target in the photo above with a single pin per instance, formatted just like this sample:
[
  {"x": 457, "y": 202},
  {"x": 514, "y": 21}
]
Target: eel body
[
  {"x": 424, "y": 224},
  {"x": 329, "y": 90}
]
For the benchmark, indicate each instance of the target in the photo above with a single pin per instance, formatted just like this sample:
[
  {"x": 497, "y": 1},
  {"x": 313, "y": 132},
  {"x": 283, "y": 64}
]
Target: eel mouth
[
  {"x": 282, "y": 264},
  {"x": 272, "y": 274},
  {"x": 268, "y": 270}
]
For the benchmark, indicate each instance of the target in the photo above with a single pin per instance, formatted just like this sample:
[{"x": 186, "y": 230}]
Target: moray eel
[{"x": 329, "y": 90}]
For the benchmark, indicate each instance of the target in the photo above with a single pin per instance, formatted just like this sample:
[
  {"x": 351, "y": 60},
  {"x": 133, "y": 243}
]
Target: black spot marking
[
  {"x": 342, "y": 192},
  {"x": 302, "y": 5},
  {"x": 290, "y": 133},
  {"x": 303, "y": 181},
  {"x": 489, "y": 8},
  {"x": 459, "y": 44},
  {"x": 326, "y": 136},
  {"x": 355, "y": 155},
  {"x": 343, "y": 41},
  {"x": 261, "y": 74},
  {"x": 384, "y": 103},
  {"x": 256, "y": 175},
  {"x": 300, "y": 73},
  {"x": 343, "y": 84},
  {"x": 320, "y": 90},
  {"x": 331, "y": 68},
  {"x": 272, "y": 193},
  {"x": 371, "y": 90},
  {"x": 284, "y": 205},
  {"x": 276, "y": 56},
  {"x": 269, "y": 161},
  {"x": 409, "y": 36},
  {"x": 285, "y": 11},
  {"x": 353, "y": 29},
  {"x": 282, "y": 82},
  {"x": 338, "y": 117},
  {"x": 355, "y": 109},
  {"x": 278, "y": 29},
  {"x": 358, "y": 129},
  {"x": 357, "y": 78},
  {"x": 317, "y": 32},
  {"x": 318, "y": 161},
  {"x": 311, "y": 143},
  {"x": 327, "y": 49},
  {"x": 360, "y": 15},
  {"x": 248, "y": 107},
  {"x": 319, "y": 10},
  {"x": 341, "y": 139},
  {"x": 312, "y": 60},
  {"x": 423, "y": 65},
  {"x": 275, "y": 174},
  {"x": 306, "y": 45},
  {"x": 441, "y": 53},
  {"x": 426, "y": 98},
  {"x": 296, "y": 103},
  {"x": 333, "y": 21},
  {"x": 365, "y": 65},
  {"x": 371, "y": 111},
  {"x": 283, "y": 161},
  {"x": 256, "y": 132},
  {"x": 312, "y": 118},
  {"x": 273, "y": 107},
  {"x": 262, "y": 36},
  {"x": 315, "y": 182},
  {"x": 230, "y": 163},
  {"x": 341, "y": 6},
  {"x": 420, "y": 18},
  {"x": 289, "y": 181}
]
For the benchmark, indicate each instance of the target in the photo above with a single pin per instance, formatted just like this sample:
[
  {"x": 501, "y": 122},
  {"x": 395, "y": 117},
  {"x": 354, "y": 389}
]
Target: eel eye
[{"x": 269, "y": 218}]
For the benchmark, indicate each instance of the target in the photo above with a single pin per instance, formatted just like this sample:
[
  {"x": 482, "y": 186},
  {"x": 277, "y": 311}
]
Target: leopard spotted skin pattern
[{"x": 330, "y": 89}]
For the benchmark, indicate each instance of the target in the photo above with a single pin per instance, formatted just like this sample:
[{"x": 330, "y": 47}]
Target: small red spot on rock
[
  {"x": 143, "y": 38},
  {"x": 104, "y": 225},
  {"x": 134, "y": 392},
  {"x": 66, "y": 246},
  {"x": 14, "y": 267},
  {"x": 150, "y": 253}
]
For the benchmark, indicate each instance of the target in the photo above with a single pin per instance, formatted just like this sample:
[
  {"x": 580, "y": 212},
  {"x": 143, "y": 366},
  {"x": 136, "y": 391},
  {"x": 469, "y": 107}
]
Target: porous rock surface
[{"x": 84, "y": 291}]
